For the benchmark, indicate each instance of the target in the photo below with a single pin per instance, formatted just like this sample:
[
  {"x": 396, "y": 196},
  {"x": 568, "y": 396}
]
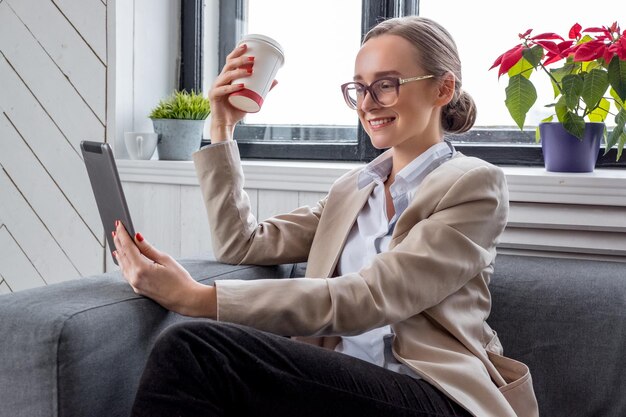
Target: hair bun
[{"x": 459, "y": 115}]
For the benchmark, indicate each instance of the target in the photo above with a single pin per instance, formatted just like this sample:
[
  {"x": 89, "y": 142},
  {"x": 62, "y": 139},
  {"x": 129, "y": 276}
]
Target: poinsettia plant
[{"x": 587, "y": 72}]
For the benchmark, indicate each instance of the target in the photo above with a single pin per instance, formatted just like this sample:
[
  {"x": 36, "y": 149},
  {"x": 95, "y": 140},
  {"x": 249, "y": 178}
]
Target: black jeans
[{"x": 206, "y": 368}]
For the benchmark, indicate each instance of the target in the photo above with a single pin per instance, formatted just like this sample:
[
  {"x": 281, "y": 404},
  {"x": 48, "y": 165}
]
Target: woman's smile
[{"x": 380, "y": 122}]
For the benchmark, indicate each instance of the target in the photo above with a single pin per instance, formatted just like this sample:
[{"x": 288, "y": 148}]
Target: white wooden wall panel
[
  {"x": 4, "y": 288},
  {"x": 85, "y": 71},
  {"x": 46, "y": 199},
  {"x": 46, "y": 82},
  {"x": 53, "y": 95},
  {"x": 51, "y": 148},
  {"x": 573, "y": 241},
  {"x": 155, "y": 210},
  {"x": 32, "y": 236},
  {"x": 195, "y": 235},
  {"x": 272, "y": 202},
  {"x": 89, "y": 18},
  {"x": 15, "y": 265},
  {"x": 309, "y": 198},
  {"x": 568, "y": 217}
]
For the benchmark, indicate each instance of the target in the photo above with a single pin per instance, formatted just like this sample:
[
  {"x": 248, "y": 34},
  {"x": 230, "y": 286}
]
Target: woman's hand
[
  {"x": 224, "y": 117},
  {"x": 158, "y": 276}
]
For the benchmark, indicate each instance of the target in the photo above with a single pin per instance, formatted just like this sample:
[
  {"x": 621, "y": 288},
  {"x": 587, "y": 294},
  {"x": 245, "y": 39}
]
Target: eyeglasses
[{"x": 384, "y": 91}]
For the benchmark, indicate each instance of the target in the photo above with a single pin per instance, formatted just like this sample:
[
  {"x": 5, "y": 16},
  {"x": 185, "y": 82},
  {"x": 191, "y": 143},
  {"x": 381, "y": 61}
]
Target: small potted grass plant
[
  {"x": 587, "y": 70},
  {"x": 179, "y": 122}
]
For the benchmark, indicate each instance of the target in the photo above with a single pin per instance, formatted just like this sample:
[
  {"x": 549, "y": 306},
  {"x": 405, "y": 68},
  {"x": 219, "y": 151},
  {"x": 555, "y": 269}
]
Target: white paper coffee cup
[{"x": 268, "y": 58}]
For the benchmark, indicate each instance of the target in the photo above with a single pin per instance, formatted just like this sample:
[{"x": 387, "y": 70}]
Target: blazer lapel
[{"x": 342, "y": 208}]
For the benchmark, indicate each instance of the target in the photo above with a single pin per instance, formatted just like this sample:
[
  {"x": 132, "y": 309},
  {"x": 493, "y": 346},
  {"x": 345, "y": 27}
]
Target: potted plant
[
  {"x": 179, "y": 122},
  {"x": 588, "y": 75}
]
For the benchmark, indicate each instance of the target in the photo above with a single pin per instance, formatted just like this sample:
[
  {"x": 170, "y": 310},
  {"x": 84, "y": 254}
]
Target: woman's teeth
[{"x": 380, "y": 122}]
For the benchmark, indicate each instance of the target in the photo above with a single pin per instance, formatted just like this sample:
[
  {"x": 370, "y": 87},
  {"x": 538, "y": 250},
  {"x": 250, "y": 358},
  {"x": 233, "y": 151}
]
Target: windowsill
[{"x": 528, "y": 184}]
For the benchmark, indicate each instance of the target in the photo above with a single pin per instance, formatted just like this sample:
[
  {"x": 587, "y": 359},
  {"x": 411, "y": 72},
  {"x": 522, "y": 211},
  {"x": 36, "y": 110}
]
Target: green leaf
[
  {"x": 588, "y": 66},
  {"x": 574, "y": 124},
  {"x": 533, "y": 55},
  {"x": 560, "y": 108},
  {"x": 520, "y": 97},
  {"x": 572, "y": 88},
  {"x": 618, "y": 130},
  {"x": 599, "y": 113},
  {"x": 522, "y": 67},
  {"x": 182, "y": 105},
  {"x": 558, "y": 75},
  {"x": 620, "y": 145},
  {"x": 617, "y": 77},
  {"x": 618, "y": 101},
  {"x": 595, "y": 84}
]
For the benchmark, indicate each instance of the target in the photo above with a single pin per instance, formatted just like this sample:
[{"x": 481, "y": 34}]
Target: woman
[{"x": 400, "y": 253}]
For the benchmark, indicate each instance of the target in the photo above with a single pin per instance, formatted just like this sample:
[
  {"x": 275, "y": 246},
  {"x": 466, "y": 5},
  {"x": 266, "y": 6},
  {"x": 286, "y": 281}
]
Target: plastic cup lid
[{"x": 263, "y": 38}]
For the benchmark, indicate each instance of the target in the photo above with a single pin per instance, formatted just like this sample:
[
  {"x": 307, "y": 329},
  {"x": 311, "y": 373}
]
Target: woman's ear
[{"x": 446, "y": 89}]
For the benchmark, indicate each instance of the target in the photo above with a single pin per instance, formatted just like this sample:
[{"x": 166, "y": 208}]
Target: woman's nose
[{"x": 368, "y": 103}]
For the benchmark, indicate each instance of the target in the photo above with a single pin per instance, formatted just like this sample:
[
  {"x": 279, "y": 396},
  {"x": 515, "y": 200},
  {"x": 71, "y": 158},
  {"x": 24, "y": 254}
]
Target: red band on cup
[{"x": 249, "y": 94}]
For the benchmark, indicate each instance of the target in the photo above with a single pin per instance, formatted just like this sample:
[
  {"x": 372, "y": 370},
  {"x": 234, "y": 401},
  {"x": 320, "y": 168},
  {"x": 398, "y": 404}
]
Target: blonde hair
[{"x": 437, "y": 53}]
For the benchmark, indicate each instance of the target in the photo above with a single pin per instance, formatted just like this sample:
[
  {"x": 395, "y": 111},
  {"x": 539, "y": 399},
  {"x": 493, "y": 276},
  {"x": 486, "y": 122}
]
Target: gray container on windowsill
[{"x": 178, "y": 138}]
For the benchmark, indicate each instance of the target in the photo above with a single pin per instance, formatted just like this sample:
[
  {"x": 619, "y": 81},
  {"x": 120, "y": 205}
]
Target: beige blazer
[{"x": 431, "y": 286}]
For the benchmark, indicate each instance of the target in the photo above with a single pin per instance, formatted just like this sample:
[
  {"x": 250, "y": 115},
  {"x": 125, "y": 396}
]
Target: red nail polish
[
  {"x": 114, "y": 253},
  {"x": 249, "y": 70},
  {"x": 117, "y": 223},
  {"x": 113, "y": 234},
  {"x": 250, "y": 58},
  {"x": 239, "y": 85},
  {"x": 139, "y": 237}
]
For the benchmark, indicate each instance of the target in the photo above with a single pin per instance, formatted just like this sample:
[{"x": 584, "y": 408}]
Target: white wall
[
  {"x": 71, "y": 71},
  {"x": 147, "y": 57},
  {"x": 54, "y": 71}
]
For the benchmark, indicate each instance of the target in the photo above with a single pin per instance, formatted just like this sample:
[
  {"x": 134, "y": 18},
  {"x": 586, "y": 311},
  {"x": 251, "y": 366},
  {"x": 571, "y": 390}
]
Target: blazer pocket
[{"x": 518, "y": 389}]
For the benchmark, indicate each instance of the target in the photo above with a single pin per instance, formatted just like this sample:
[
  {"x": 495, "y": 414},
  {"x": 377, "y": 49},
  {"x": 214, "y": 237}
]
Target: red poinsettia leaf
[
  {"x": 550, "y": 58},
  {"x": 595, "y": 30},
  {"x": 621, "y": 48},
  {"x": 614, "y": 27},
  {"x": 498, "y": 60},
  {"x": 574, "y": 32},
  {"x": 509, "y": 59},
  {"x": 523, "y": 35},
  {"x": 563, "y": 46},
  {"x": 547, "y": 35},
  {"x": 549, "y": 46},
  {"x": 607, "y": 55},
  {"x": 589, "y": 51}
]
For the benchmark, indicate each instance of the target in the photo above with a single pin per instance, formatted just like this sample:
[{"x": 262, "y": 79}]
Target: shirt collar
[{"x": 412, "y": 174}]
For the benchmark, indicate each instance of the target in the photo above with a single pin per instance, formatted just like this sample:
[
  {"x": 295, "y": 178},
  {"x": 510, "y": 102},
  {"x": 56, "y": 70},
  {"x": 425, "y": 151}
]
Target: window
[{"x": 335, "y": 30}]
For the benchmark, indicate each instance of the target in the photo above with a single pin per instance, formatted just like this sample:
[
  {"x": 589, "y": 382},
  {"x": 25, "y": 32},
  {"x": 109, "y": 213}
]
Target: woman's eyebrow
[{"x": 378, "y": 74}]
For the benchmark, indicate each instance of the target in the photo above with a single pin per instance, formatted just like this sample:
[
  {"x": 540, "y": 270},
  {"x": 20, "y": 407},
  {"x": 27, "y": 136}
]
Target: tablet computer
[{"x": 107, "y": 188}]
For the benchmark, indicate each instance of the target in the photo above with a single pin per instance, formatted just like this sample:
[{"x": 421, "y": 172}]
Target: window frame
[{"x": 500, "y": 146}]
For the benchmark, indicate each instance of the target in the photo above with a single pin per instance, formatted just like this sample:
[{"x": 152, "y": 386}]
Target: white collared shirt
[{"x": 371, "y": 235}]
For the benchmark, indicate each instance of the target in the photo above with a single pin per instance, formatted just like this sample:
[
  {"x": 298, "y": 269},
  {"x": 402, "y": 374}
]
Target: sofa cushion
[
  {"x": 566, "y": 319},
  {"x": 78, "y": 348}
]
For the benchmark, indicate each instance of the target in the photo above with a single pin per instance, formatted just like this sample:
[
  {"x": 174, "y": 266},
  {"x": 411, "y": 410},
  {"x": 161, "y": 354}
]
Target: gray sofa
[{"x": 78, "y": 348}]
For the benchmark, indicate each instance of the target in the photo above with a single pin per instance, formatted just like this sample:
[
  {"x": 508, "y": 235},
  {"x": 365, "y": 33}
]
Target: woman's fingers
[
  {"x": 226, "y": 78},
  {"x": 240, "y": 62},
  {"x": 149, "y": 251},
  {"x": 238, "y": 51}
]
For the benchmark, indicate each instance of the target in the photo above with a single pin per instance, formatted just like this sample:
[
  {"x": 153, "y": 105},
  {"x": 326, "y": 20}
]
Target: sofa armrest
[{"x": 78, "y": 348}]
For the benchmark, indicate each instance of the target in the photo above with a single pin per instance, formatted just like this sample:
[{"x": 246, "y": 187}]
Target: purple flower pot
[{"x": 564, "y": 152}]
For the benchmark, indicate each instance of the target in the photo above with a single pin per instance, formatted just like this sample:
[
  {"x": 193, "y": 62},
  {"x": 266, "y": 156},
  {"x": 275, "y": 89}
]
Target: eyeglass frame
[{"x": 368, "y": 89}]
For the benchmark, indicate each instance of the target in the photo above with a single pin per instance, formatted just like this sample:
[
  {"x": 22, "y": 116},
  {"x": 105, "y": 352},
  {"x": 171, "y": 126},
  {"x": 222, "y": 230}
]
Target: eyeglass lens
[{"x": 384, "y": 92}]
